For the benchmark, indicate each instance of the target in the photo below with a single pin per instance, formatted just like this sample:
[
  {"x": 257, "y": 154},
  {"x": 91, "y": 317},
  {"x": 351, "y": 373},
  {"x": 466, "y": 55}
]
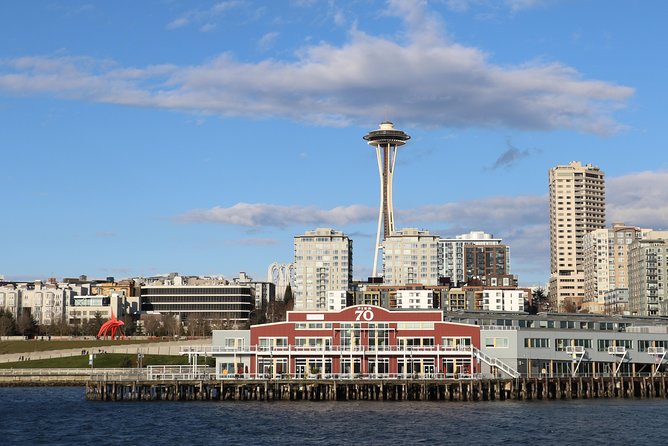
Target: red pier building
[{"x": 356, "y": 342}]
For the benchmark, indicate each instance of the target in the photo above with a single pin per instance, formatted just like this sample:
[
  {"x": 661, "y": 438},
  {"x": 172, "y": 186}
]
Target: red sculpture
[{"x": 110, "y": 327}]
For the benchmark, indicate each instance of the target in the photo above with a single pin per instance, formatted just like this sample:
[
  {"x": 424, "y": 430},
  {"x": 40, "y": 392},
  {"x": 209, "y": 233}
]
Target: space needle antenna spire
[{"x": 386, "y": 139}]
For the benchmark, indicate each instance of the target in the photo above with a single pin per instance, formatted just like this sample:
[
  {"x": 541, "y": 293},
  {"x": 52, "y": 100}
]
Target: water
[{"x": 61, "y": 416}]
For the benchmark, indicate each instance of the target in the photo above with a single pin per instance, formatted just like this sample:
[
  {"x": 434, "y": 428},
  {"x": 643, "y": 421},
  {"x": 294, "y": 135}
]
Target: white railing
[
  {"x": 334, "y": 349},
  {"x": 178, "y": 372},
  {"x": 494, "y": 362},
  {"x": 353, "y": 376},
  {"x": 656, "y": 350},
  {"x": 574, "y": 349},
  {"x": 616, "y": 350}
]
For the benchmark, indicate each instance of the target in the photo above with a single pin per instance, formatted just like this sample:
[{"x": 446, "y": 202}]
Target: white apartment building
[
  {"x": 605, "y": 260},
  {"x": 648, "y": 274},
  {"x": 323, "y": 262},
  {"x": 577, "y": 206},
  {"x": 337, "y": 300},
  {"x": 411, "y": 256},
  {"x": 46, "y": 303},
  {"x": 453, "y": 264},
  {"x": 504, "y": 300},
  {"x": 415, "y": 299}
]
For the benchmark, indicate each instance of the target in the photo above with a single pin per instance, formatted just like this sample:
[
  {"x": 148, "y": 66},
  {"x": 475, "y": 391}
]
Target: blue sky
[{"x": 139, "y": 138}]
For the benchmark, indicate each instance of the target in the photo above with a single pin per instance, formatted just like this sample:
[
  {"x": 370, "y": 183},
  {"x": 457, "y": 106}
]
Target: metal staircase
[{"x": 493, "y": 362}]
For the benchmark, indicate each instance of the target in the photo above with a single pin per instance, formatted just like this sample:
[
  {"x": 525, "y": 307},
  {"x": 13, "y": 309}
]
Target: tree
[
  {"x": 288, "y": 299},
  {"x": 7, "y": 323},
  {"x": 151, "y": 325},
  {"x": 539, "y": 301},
  {"x": 25, "y": 325},
  {"x": 171, "y": 325}
]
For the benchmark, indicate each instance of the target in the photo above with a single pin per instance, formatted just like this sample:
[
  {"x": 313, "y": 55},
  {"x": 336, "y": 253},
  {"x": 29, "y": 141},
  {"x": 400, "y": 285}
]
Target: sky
[{"x": 142, "y": 138}]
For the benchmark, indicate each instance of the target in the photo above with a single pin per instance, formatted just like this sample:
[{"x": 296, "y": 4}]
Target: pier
[{"x": 517, "y": 389}]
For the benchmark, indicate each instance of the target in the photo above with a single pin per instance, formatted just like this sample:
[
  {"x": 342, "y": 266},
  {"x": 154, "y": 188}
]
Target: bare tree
[
  {"x": 151, "y": 325},
  {"x": 25, "y": 324},
  {"x": 171, "y": 325}
]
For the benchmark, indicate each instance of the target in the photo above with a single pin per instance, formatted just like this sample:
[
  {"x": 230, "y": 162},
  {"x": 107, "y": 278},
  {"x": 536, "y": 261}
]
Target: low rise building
[{"x": 357, "y": 341}]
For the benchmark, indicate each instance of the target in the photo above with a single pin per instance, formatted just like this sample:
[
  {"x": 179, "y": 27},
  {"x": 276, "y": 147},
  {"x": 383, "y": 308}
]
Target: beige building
[
  {"x": 577, "y": 206},
  {"x": 323, "y": 262},
  {"x": 606, "y": 255},
  {"x": 648, "y": 274},
  {"x": 411, "y": 256}
]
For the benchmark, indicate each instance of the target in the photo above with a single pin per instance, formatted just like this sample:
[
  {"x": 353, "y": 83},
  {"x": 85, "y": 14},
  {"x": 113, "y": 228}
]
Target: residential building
[
  {"x": 323, "y": 262},
  {"x": 504, "y": 300},
  {"x": 337, "y": 300},
  {"x": 577, "y": 206},
  {"x": 454, "y": 260},
  {"x": 605, "y": 260},
  {"x": 265, "y": 292},
  {"x": 415, "y": 299},
  {"x": 486, "y": 260},
  {"x": 411, "y": 256},
  {"x": 648, "y": 273}
]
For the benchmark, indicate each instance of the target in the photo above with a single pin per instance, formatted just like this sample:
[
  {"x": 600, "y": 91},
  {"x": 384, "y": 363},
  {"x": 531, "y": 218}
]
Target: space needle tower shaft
[{"x": 386, "y": 140}]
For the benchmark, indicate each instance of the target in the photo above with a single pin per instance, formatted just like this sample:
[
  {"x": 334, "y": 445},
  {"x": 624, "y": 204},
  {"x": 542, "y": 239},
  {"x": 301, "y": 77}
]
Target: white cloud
[
  {"x": 259, "y": 214},
  {"x": 440, "y": 84},
  {"x": 253, "y": 242},
  {"x": 267, "y": 41},
  {"x": 178, "y": 23},
  {"x": 639, "y": 199}
]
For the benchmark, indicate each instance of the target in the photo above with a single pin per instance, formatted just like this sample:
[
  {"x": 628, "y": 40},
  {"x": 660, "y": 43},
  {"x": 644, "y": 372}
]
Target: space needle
[{"x": 386, "y": 139}]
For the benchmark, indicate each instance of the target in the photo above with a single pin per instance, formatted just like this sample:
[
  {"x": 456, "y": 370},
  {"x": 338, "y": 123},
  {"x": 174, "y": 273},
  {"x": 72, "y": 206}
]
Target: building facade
[
  {"x": 411, "y": 256},
  {"x": 323, "y": 262},
  {"x": 453, "y": 264},
  {"x": 577, "y": 206},
  {"x": 215, "y": 303},
  {"x": 504, "y": 300},
  {"x": 605, "y": 260},
  {"x": 486, "y": 260},
  {"x": 359, "y": 341},
  {"x": 648, "y": 274}
]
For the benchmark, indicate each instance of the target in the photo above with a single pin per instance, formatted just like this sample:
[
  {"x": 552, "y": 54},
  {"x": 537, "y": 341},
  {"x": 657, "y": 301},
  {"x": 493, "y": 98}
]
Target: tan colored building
[
  {"x": 411, "y": 256},
  {"x": 606, "y": 256},
  {"x": 577, "y": 206},
  {"x": 323, "y": 262}
]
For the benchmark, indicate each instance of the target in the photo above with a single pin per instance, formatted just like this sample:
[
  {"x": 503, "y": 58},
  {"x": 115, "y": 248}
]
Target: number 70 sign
[{"x": 364, "y": 314}]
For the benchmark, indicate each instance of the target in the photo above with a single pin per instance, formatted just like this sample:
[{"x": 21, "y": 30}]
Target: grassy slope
[
  {"x": 39, "y": 346},
  {"x": 105, "y": 360}
]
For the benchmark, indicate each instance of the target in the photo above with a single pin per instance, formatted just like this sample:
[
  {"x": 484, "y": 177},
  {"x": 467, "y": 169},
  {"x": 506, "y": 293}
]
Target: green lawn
[
  {"x": 40, "y": 346},
  {"x": 103, "y": 360}
]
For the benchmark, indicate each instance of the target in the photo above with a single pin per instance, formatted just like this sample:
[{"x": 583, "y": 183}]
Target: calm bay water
[{"x": 61, "y": 416}]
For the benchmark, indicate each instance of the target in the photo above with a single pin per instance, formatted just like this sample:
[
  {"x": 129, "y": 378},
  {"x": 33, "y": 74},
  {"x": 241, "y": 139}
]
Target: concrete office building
[
  {"x": 577, "y": 206},
  {"x": 411, "y": 256},
  {"x": 453, "y": 264},
  {"x": 323, "y": 262}
]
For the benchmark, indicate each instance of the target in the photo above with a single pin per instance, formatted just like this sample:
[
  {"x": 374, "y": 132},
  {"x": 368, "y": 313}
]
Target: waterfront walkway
[{"x": 149, "y": 348}]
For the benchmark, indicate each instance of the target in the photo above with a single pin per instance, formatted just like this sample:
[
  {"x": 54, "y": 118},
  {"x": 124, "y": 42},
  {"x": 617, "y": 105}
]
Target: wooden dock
[{"x": 519, "y": 389}]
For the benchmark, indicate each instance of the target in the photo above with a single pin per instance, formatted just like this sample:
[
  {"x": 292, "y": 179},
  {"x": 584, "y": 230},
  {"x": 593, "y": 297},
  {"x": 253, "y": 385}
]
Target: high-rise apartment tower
[
  {"x": 323, "y": 262},
  {"x": 577, "y": 206}
]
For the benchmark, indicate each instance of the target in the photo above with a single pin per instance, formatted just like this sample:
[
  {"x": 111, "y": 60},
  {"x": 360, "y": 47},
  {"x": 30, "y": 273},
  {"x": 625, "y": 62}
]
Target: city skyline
[{"x": 145, "y": 139}]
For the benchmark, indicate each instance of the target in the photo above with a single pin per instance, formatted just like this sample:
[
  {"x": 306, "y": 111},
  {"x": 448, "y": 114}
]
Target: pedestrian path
[{"x": 152, "y": 348}]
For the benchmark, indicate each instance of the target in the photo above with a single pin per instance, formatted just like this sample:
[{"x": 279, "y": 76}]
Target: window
[
  {"x": 496, "y": 342},
  {"x": 537, "y": 343}
]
